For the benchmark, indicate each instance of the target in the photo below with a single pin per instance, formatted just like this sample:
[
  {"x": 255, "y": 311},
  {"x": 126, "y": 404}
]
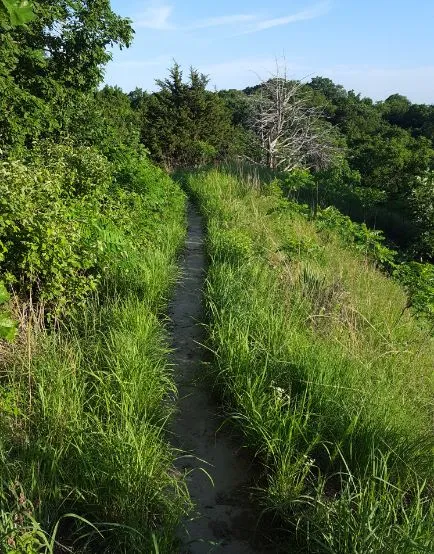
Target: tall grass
[
  {"x": 85, "y": 407},
  {"x": 325, "y": 371}
]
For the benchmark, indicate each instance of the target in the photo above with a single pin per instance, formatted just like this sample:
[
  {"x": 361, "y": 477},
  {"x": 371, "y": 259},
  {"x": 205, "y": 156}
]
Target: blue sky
[{"x": 376, "y": 47}]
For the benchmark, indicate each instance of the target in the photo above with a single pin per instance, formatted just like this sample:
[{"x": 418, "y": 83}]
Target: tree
[
  {"x": 184, "y": 124},
  {"x": 390, "y": 144},
  {"x": 46, "y": 64},
  {"x": 292, "y": 133},
  {"x": 422, "y": 203},
  {"x": 15, "y": 12}
]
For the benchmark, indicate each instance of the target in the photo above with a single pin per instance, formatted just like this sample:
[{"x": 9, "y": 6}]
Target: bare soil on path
[{"x": 224, "y": 518}]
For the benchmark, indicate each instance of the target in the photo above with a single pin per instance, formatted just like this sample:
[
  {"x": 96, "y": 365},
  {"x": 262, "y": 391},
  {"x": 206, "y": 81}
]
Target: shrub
[
  {"x": 45, "y": 236},
  {"x": 68, "y": 215}
]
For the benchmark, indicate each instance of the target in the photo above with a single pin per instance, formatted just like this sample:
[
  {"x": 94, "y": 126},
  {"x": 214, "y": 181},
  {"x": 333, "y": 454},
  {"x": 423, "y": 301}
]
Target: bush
[
  {"x": 358, "y": 235},
  {"x": 84, "y": 432},
  {"x": 8, "y": 327},
  {"x": 46, "y": 235},
  {"x": 67, "y": 214}
]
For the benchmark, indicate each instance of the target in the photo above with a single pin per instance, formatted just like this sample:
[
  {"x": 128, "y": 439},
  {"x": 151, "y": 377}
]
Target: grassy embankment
[
  {"x": 323, "y": 368},
  {"x": 84, "y": 403}
]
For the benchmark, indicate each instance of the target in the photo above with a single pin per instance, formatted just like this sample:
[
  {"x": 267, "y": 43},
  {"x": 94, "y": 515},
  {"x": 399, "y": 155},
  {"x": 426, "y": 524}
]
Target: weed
[{"x": 327, "y": 375}]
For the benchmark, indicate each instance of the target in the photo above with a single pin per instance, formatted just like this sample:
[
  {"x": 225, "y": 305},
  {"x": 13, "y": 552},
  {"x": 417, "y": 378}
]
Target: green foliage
[
  {"x": 419, "y": 281},
  {"x": 104, "y": 119},
  {"x": 422, "y": 207},
  {"x": 48, "y": 224},
  {"x": 60, "y": 211},
  {"x": 184, "y": 124},
  {"x": 364, "y": 240},
  {"x": 84, "y": 432},
  {"x": 8, "y": 327},
  {"x": 323, "y": 369},
  {"x": 296, "y": 180},
  {"x": 20, "y": 533},
  {"x": 15, "y": 12},
  {"x": 391, "y": 145},
  {"x": 47, "y": 65},
  {"x": 89, "y": 231},
  {"x": 385, "y": 155},
  {"x": 417, "y": 278}
]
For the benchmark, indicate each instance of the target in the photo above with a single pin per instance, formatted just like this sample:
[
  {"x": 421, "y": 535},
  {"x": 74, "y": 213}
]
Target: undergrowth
[
  {"x": 86, "y": 389},
  {"x": 321, "y": 364}
]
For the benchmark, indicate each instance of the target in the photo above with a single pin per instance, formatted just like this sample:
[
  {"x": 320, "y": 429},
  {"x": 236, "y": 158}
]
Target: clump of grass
[
  {"x": 87, "y": 404},
  {"x": 326, "y": 372}
]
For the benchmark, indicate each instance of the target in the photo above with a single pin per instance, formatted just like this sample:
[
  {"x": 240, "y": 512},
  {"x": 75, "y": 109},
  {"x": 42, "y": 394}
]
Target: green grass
[
  {"x": 85, "y": 408},
  {"x": 325, "y": 371}
]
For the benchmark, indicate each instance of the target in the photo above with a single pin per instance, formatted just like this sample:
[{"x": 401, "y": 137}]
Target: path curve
[{"x": 224, "y": 519}]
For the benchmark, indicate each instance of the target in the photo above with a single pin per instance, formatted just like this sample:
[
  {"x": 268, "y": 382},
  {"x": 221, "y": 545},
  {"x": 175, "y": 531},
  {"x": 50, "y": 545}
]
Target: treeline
[
  {"x": 326, "y": 146},
  {"x": 374, "y": 160}
]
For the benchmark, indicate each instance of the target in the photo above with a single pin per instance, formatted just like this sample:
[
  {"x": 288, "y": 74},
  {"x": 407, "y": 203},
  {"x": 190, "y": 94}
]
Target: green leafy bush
[
  {"x": 358, "y": 235},
  {"x": 68, "y": 215},
  {"x": 418, "y": 279},
  {"x": 45, "y": 235},
  {"x": 84, "y": 433}
]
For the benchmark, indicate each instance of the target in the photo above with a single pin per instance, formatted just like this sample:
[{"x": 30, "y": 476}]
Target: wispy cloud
[
  {"x": 223, "y": 20},
  {"x": 155, "y": 17},
  {"x": 311, "y": 13},
  {"x": 158, "y": 16}
]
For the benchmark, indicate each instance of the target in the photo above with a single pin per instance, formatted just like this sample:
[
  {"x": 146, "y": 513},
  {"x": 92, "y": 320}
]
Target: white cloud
[
  {"x": 158, "y": 16},
  {"x": 223, "y": 20},
  {"x": 311, "y": 13},
  {"x": 155, "y": 17}
]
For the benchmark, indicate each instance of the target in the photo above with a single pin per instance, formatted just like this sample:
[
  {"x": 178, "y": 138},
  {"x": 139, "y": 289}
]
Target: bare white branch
[{"x": 291, "y": 132}]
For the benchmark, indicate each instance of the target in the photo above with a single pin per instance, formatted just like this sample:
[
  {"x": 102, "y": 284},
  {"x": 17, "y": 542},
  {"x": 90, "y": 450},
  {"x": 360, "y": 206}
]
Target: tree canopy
[
  {"x": 184, "y": 124},
  {"x": 57, "y": 53}
]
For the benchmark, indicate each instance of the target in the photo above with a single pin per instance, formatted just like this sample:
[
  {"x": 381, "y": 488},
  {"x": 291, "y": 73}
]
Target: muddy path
[{"x": 224, "y": 519}]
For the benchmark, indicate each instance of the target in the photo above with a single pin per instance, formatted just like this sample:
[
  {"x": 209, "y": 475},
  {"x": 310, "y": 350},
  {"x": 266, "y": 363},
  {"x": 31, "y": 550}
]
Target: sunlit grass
[
  {"x": 321, "y": 364},
  {"x": 85, "y": 408}
]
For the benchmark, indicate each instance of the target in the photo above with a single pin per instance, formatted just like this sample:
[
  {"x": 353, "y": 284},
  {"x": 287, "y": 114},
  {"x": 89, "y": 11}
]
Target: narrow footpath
[{"x": 224, "y": 519}]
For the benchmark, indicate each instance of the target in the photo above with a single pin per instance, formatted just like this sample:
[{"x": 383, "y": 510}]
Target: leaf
[
  {"x": 8, "y": 328},
  {"x": 19, "y": 11},
  {"x": 4, "y": 295}
]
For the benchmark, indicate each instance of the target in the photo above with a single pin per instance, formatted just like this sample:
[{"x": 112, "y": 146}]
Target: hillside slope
[{"x": 322, "y": 366}]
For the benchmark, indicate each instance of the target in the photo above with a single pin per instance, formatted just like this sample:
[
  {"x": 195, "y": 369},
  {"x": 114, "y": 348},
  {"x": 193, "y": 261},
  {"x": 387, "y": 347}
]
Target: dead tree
[{"x": 291, "y": 132}]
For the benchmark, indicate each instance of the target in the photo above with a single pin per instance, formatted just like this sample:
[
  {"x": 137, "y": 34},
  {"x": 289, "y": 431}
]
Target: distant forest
[{"x": 379, "y": 171}]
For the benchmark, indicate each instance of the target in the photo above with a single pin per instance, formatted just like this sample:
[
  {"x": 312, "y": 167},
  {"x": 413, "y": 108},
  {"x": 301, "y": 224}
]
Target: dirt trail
[{"x": 224, "y": 519}]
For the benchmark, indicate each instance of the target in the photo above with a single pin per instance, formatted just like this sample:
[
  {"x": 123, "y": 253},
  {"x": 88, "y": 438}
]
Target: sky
[{"x": 375, "y": 47}]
